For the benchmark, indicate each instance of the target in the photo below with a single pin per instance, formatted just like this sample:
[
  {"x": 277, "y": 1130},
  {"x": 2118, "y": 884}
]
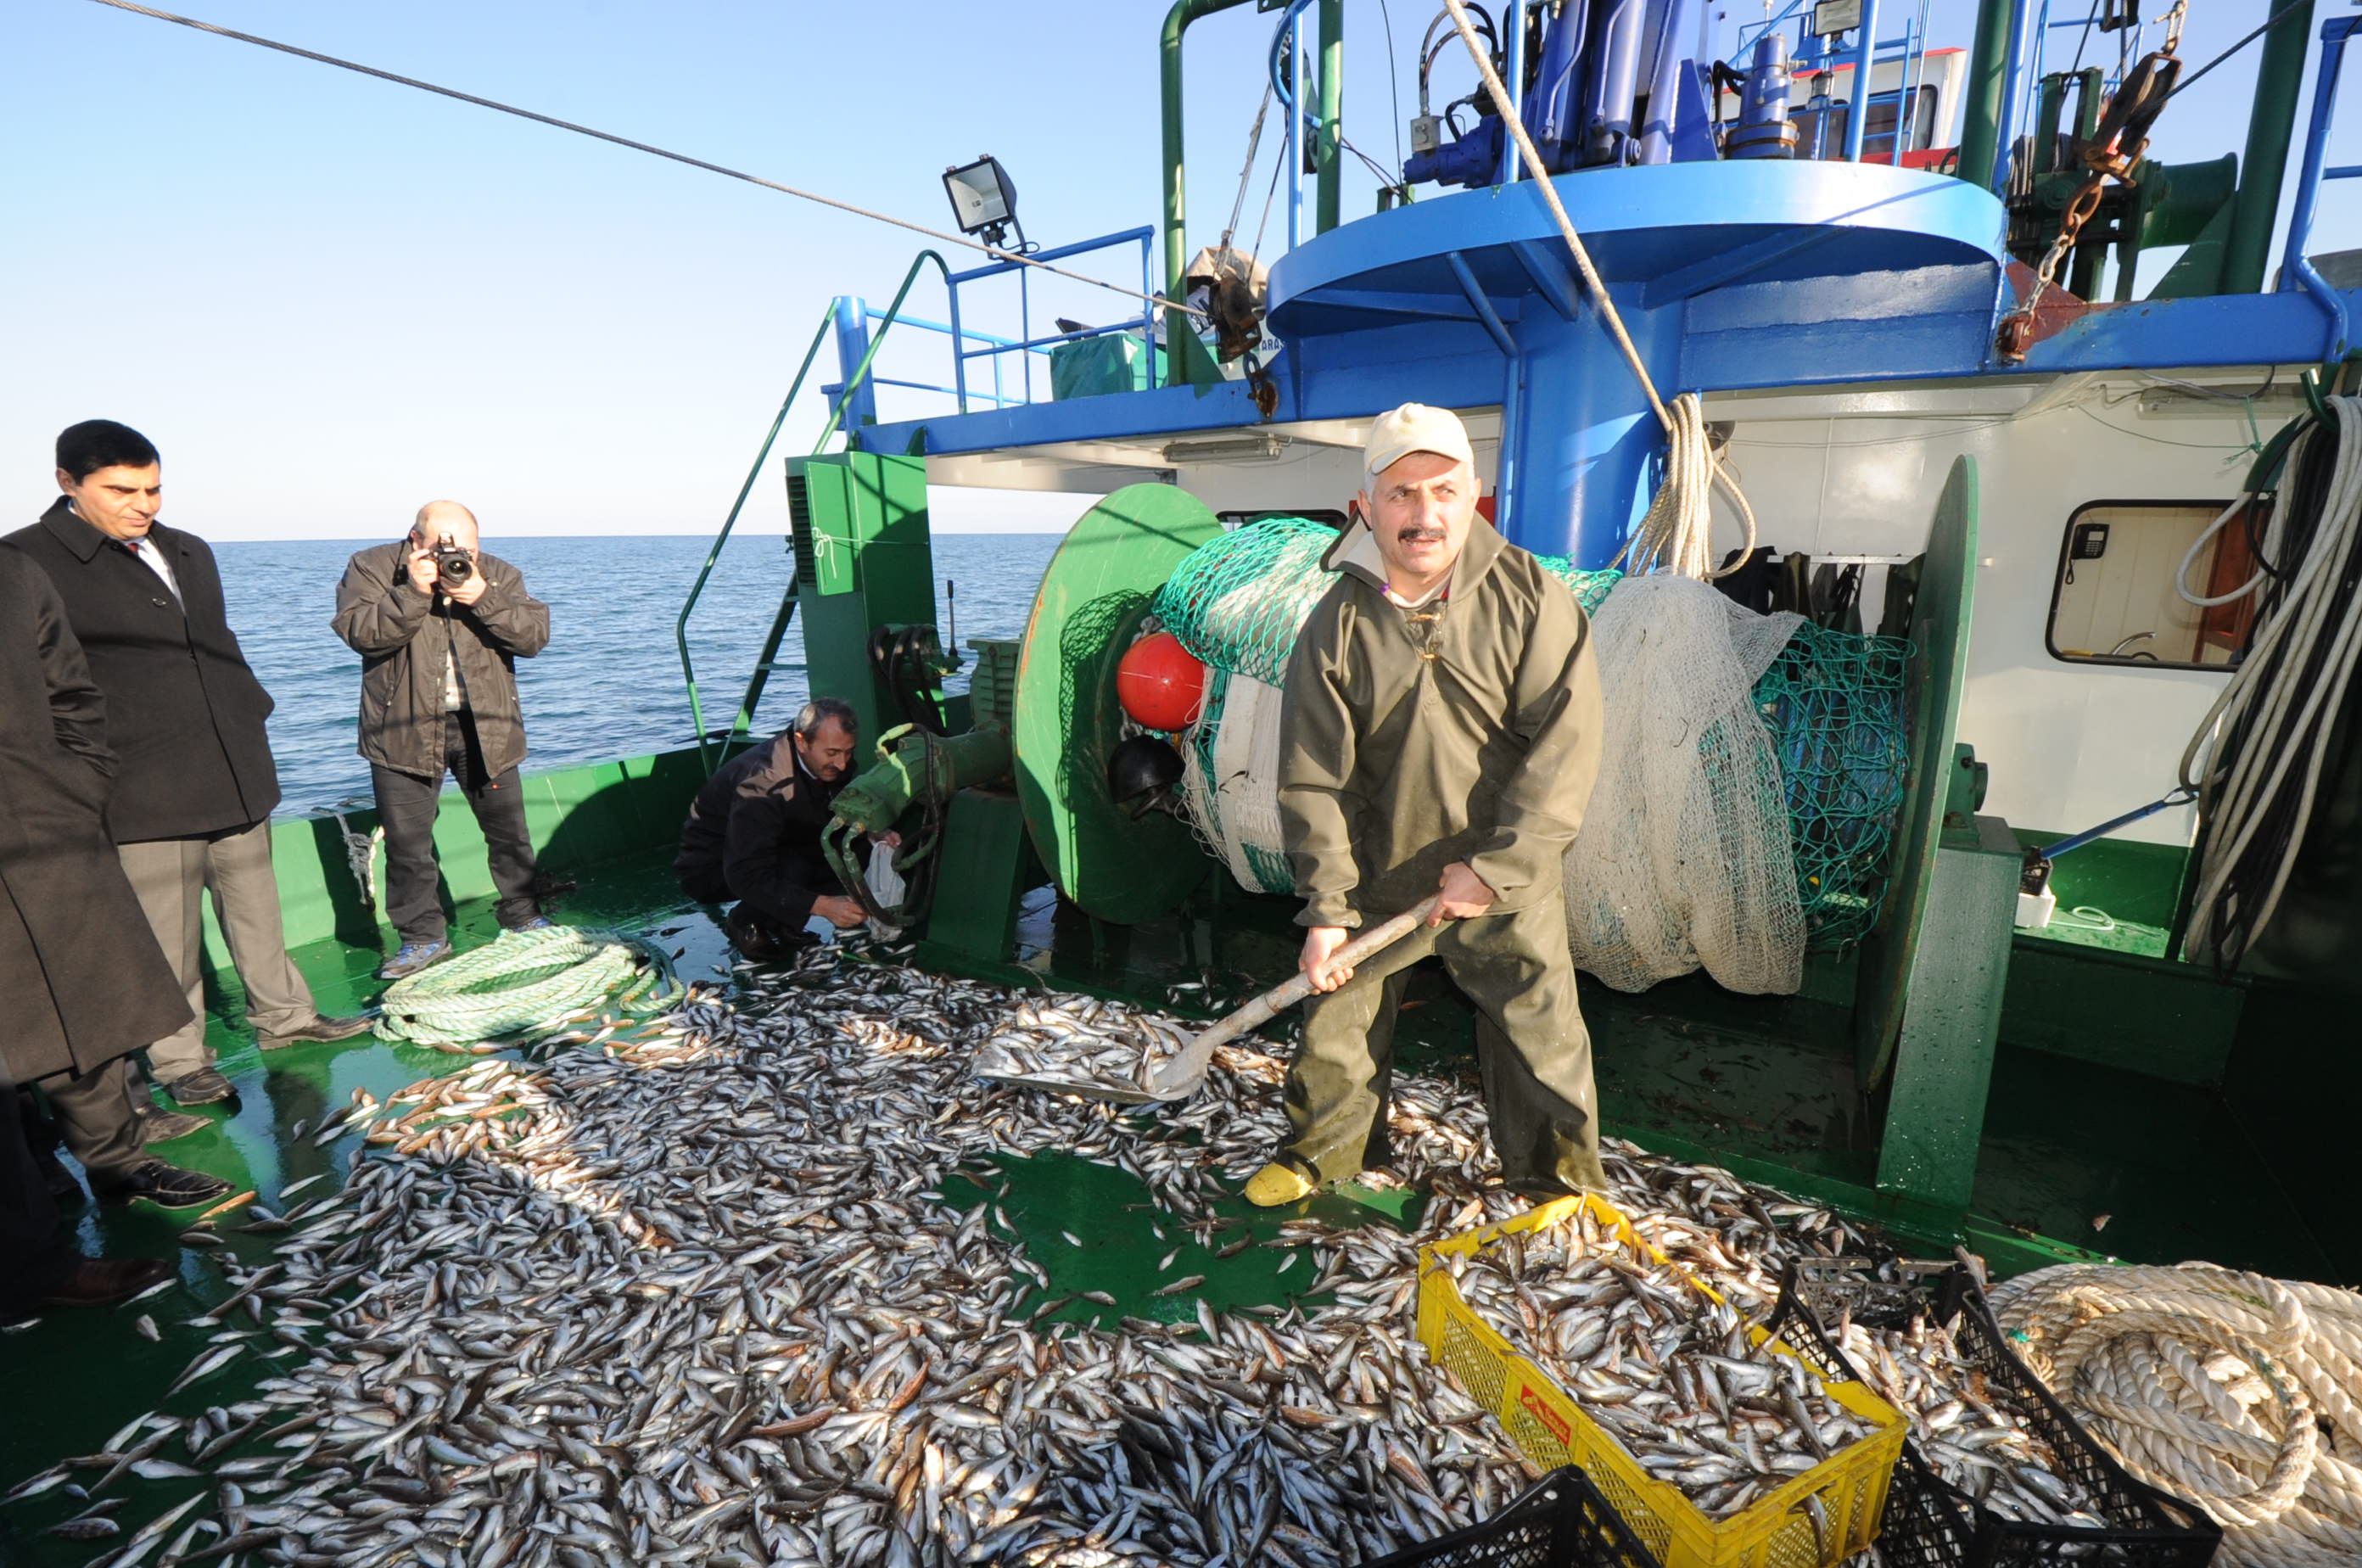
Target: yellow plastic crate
[{"x": 1774, "y": 1531}]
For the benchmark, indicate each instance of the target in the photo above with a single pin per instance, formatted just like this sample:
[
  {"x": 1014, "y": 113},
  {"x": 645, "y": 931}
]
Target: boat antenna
[{"x": 995, "y": 252}]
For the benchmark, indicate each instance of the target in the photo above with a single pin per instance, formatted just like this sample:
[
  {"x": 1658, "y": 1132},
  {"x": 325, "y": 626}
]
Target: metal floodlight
[{"x": 984, "y": 200}]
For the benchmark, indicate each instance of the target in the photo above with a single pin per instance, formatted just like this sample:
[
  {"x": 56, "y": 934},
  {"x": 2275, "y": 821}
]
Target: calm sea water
[{"x": 610, "y": 683}]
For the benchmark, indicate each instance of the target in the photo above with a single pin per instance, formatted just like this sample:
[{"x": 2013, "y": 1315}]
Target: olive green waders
[{"x": 1533, "y": 1053}]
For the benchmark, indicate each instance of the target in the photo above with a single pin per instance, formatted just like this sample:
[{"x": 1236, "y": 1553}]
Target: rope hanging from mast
[{"x": 1674, "y": 536}]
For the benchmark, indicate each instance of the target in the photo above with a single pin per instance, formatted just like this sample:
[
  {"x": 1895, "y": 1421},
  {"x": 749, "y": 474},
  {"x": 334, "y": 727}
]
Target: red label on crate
[{"x": 1539, "y": 1410}]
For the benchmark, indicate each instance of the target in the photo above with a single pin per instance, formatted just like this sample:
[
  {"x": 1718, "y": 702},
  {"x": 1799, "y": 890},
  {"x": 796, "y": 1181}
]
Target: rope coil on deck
[
  {"x": 2240, "y": 1393},
  {"x": 525, "y": 983}
]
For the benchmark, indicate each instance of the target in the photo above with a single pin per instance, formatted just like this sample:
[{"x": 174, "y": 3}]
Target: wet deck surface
[
  {"x": 73, "y": 1378},
  {"x": 1682, "y": 1067}
]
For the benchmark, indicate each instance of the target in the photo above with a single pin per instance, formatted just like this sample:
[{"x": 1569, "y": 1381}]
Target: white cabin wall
[{"x": 2069, "y": 745}]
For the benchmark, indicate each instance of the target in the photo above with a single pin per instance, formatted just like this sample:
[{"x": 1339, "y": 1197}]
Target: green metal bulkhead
[
  {"x": 2271, "y": 122},
  {"x": 2190, "y": 204},
  {"x": 1982, "y": 92},
  {"x": 864, "y": 562},
  {"x": 1927, "y": 1013}
]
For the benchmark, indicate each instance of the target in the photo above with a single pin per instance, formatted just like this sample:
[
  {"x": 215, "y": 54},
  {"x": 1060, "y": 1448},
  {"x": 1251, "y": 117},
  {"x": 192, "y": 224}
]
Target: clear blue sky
[{"x": 330, "y": 299}]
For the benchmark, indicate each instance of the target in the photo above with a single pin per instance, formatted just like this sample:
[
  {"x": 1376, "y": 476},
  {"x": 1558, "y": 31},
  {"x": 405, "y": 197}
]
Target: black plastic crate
[
  {"x": 1929, "y": 1523},
  {"x": 1561, "y": 1521}
]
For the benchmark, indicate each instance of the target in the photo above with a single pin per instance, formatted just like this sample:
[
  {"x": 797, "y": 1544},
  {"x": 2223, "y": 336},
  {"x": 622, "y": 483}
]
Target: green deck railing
[{"x": 743, "y": 719}]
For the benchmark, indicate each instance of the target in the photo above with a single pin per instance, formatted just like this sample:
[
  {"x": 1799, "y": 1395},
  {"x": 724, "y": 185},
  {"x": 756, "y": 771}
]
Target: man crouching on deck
[{"x": 1440, "y": 734}]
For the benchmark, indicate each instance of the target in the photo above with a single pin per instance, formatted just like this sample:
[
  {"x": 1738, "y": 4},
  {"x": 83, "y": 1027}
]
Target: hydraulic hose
[{"x": 2265, "y": 740}]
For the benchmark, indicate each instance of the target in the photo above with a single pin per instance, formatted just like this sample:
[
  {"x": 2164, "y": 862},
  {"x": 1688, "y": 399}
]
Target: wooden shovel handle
[{"x": 1181, "y": 1074}]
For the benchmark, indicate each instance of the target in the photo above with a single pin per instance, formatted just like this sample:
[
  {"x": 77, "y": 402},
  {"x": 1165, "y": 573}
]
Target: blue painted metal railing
[
  {"x": 2297, "y": 271},
  {"x": 841, "y": 399},
  {"x": 1028, "y": 344},
  {"x": 850, "y": 349},
  {"x": 1910, "y": 50}
]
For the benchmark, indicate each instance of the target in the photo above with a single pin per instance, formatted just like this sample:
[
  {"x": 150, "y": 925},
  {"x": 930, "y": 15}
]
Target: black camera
[{"x": 453, "y": 565}]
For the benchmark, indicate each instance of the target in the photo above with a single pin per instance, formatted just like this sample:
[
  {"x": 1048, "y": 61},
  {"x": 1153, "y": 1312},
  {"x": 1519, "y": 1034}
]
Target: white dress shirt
[
  {"x": 149, "y": 553},
  {"x": 146, "y": 551}
]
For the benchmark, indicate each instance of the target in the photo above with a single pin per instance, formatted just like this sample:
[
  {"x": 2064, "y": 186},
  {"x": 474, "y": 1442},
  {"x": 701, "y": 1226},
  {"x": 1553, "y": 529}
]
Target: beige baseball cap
[{"x": 1415, "y": 427}]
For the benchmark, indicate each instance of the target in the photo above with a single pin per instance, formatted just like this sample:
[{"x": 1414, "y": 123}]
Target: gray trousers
[
  {"x": 98, "y": 1118},
  {"x": 1533, "y": 1054},
  {"x": 169, "y": 875}
]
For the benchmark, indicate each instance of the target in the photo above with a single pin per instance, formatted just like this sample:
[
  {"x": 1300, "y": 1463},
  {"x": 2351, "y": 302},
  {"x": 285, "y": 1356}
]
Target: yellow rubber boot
[{"x": 1276, "y": 1184}]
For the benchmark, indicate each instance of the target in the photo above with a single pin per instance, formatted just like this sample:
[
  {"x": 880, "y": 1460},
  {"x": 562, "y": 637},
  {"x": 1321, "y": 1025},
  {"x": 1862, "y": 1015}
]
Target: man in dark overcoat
[
  {"x": 85, "y": 983},
  {"x": 195, "y": 785}
]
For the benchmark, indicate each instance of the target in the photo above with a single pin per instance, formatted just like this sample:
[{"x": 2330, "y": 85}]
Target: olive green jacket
[{"x": 1466, "y": 729}]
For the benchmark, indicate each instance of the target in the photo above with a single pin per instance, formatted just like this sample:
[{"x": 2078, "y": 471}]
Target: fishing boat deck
[{"x": 1764, "y": 1088}]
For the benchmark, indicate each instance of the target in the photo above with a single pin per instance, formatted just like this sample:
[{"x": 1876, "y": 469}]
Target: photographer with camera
[{"x": 439, "y": 625}]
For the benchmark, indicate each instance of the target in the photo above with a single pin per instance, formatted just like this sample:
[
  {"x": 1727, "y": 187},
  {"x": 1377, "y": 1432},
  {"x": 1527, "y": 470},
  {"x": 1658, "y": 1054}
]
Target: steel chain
[{"x": 2108, "y": 156}]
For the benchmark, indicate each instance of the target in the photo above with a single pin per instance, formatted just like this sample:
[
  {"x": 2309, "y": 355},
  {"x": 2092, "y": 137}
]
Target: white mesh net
[
  {"x": 1231, "y": 788},
  {"x": 1684, "y": 859}
]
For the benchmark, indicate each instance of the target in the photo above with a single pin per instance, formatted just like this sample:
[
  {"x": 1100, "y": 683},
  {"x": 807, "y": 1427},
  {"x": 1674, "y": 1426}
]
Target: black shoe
[
  {"x": 319, "y": 1028},
  {"x": 167, "y": 1187},
  {"x": 204, "y": 1086},
  {"x": 413, "y": 957},
  {"x": 760, "y": 942},
  {"x": 159, "y": 1126},
  {"x": 103, "y": 1281}
]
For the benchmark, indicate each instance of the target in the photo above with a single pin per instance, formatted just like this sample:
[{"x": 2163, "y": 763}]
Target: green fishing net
[
  {"x": 1833, "y": 704},
  {"x": 1838, "y": 711},
  {"x": 1237, "y": 602}
]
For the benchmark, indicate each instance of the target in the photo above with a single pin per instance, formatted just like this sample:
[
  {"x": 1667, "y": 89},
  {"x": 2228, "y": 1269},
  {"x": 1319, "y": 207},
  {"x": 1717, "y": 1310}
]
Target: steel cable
[{"x": 995, "y": 252}]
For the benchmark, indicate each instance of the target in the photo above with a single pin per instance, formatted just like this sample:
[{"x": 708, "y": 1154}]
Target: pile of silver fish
[
  {"x": 1088, "y": 1042},
  {"x": 737, "y": 1288},
  {"x": 1668, "y": 1371},
  {"x": 1922, "y": 1371}
]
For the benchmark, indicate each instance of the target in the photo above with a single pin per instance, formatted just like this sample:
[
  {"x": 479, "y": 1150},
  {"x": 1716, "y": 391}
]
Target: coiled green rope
[{"x": 526, "y": 984}]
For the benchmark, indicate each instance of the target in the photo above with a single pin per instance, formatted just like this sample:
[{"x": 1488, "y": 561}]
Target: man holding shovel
[{"x": 1440, "y": 738}]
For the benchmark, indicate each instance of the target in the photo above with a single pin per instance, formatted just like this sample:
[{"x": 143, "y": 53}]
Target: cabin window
[{"x": 2113, "y": 599}]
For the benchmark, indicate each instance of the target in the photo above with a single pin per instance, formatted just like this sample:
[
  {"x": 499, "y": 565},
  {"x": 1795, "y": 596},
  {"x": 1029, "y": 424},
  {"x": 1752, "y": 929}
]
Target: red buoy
[{"x": 1160, "y": 683}]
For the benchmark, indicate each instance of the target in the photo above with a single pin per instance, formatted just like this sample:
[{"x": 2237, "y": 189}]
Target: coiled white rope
[
  {"x": 525, "y": 984},
  {"x": 2240, "y": 1393},
  {"x": 1675, "y": 535},
  {"x": 1672, "y": 536}
]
